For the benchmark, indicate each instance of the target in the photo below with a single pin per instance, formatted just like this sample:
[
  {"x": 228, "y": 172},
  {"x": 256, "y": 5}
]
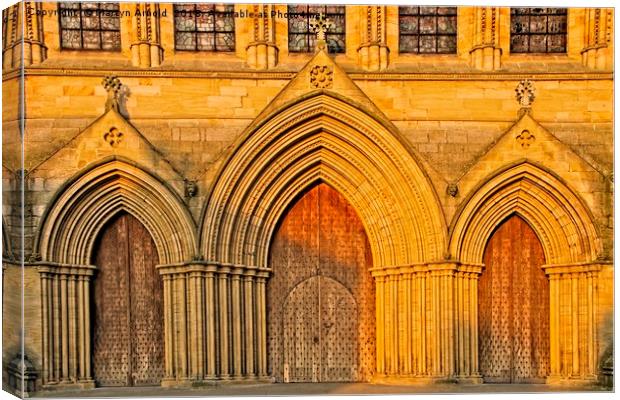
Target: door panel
[
  {"x": 320, "y": 298},
  {"x": 514, "y": 306},
  {"x": 301, "y": 333},
  {"x": 127, "y": 304}
]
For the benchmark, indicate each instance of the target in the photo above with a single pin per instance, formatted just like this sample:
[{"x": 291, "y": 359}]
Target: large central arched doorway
[
  {"x": 513, "y": 303},
  {"x": 320, "y": 297},
  {"x": 128, "y": 348}
]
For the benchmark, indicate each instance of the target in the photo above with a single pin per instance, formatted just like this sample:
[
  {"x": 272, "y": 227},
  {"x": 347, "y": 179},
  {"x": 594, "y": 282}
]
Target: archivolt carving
[
  {"x": 559, "y": 218},
  {"x": 322, "y": 138},
  {"x": 78, "y": 213}
]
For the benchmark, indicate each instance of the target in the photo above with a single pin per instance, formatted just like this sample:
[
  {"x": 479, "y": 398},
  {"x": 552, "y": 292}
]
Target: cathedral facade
[{"x": 196, "y": 193}]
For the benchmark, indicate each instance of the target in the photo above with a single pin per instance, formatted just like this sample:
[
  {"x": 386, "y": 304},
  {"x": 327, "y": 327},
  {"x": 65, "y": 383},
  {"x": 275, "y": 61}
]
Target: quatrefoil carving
[{"x": 113, "y": 136}]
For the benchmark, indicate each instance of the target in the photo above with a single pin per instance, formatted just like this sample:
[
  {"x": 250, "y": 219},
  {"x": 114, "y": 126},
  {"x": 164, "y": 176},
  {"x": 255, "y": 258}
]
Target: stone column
[
  {"x": 66, "y": 324},
  {"x": 24, "y": 32},
  {"x": 466, "y": 323},
  {"x": 262, "y": 52},
  {"x": 146, "y": 49},
  {"x": 215, "y": 322},
  {"x": 573, "y": 333},
  {"x": 261, "y": 324},
  {"x": 373, "y": 53},
  {"x": 597, "y": 53},
  {"x": 486, "y": 52}
]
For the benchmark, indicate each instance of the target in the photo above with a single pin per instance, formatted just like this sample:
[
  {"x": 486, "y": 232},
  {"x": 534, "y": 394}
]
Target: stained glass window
[
  {"x": 538, "y": 30},
  {"x": 204, "y": 27},
  {"x": 302, "y": 40},
  {"x": 427, "y": 29},
  {"x": 93, "y": 26}
]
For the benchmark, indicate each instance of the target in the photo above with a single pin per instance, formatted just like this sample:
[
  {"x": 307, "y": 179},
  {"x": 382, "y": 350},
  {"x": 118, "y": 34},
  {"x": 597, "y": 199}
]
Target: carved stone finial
[
  {"x": 320, "y": 26},
  {"x": 452, "y": 189},
  {"x": 526, "y": 93},
  {"x": 113, "y": 136},
  {"x": 113, "y": 85},
  {"x": 525, "y": 138}
]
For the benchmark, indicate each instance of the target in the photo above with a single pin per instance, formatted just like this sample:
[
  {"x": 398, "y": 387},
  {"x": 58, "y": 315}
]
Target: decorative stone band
[
  {"x": 427, "y": 322},
  {"x": 66, "y": 341},
  {"x": 215, "y": 322},
  {"x": 573, "y": 326}
]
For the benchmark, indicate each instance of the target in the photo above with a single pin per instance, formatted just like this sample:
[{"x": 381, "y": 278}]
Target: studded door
[
  {"x": 127, "y": 306},
  {"x": 513, "y": 303},
  {"x": 320, "y": 298}
]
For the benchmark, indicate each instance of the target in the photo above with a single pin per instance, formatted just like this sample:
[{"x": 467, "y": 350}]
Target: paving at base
[{"x": 311, "y": 389}]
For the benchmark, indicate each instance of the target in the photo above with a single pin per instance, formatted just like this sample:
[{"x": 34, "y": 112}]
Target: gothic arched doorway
[
  {"x": 513, "y": 306},
  {"x": 128, "y": 345},
  {"x": 320, "y": 297}
]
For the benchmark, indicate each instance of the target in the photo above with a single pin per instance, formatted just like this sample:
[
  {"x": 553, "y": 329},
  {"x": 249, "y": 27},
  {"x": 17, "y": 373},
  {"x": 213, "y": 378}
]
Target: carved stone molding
[
  {"x": 23, "y": 44},
  {"x": 373, "y": 53},
  {"x": 486, "y": 53},
  {"x": 262, "y": 52},
  {"x": 597, "y": 52},
  {"x": 146, "y": 49}
]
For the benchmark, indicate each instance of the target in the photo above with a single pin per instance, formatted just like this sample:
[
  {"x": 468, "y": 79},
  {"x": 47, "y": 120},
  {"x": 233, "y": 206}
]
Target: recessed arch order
[
  {"x": 88, "y": 201},
  {"x": 559, "y": 217},
  {"x": 323, "y": 137}
]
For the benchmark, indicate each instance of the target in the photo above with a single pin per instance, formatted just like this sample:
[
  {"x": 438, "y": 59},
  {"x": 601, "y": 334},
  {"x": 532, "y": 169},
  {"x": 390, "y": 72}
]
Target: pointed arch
[
  {"x": 90, "y": 199},
  {"x": 322, "y": 136},
  {"x": 561, "y": 220}
]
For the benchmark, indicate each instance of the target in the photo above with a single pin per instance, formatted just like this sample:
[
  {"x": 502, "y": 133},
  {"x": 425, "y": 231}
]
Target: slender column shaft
[
  {"x": 168, "y": 327},
  {"x": 82, "y": 335},
  {"x": 574, "y": 310},
  {"x": 590, "y": 334},
  {"x": 408, "y": 331},
  {"x": 379, "y": 301},
  {"x": 473, "y": 306},
  {"x": 64, "y": 327},
  {"x": 182, "y": 324},
  {"x": 45, "y": 323},
  {"x": 223, "y": 316},
  {"x": 210, "y": 300},
  {"x": 249, "y": 327},
  {"x": 87, "y": 341},
  {"x": 193, "y": 325},
  {"x": 72, "y": 329},
  {"x": 262, "y": 327},
  {"x": 424, "y": 325},
  {"x": 236, "y": 328},
  {"x": 200, "y": 331}
]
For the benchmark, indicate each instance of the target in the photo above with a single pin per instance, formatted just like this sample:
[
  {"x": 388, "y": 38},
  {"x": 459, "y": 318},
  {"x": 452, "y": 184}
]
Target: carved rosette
[{"x": 321, "y": 77}]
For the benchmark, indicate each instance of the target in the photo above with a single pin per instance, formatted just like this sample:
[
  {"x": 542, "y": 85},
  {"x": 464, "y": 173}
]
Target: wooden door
[
  {"x": 320, "y": 337},
  {"x": 320, "y": 297},
  {"x": 127, "y": 306},
  {"x": 513, "y": 306}
]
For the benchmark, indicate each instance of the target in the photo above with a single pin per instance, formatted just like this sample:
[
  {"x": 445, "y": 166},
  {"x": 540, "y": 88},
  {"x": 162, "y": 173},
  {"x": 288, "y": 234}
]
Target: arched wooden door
[
  {"x": 128, "y": 346},
  {"x": 320, "y": 297},
  {"x": 513, "y": 306}
]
